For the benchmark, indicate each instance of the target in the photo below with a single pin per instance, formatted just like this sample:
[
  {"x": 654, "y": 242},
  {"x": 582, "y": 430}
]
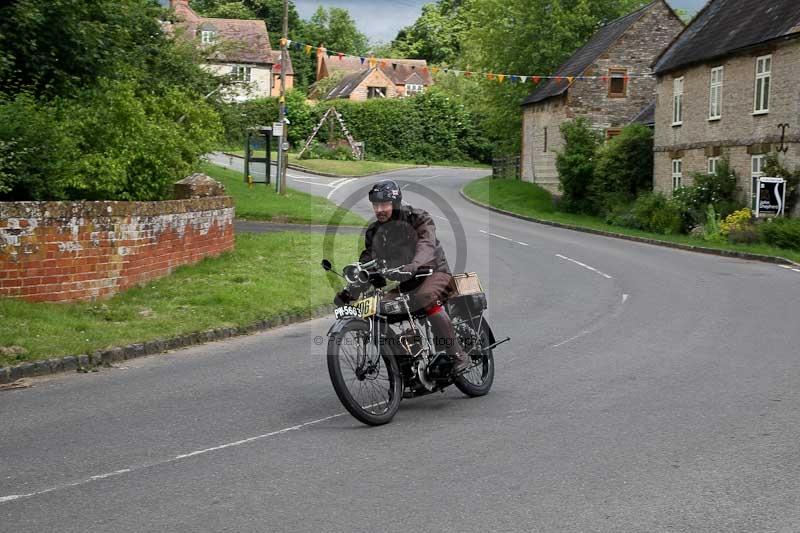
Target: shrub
[
  {"x": 781, "y": 232},
  {"x": 654, "y": 212},
  {"x": 624, "y": 167},
  {"x": 736, "y": 221},
  {"x": 576, "y": 166}
]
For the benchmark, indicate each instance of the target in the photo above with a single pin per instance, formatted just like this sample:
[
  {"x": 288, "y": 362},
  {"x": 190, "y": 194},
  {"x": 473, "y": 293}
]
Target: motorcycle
[{"x": 381, "y": 351}]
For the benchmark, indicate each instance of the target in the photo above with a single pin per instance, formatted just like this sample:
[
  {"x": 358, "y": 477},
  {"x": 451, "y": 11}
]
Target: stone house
[
  {"x": 619, "y": 55},
  {"x": 239, "y": 48},
  {"x": 723, "y": 87},
  {"x": 405, "y": 76}
]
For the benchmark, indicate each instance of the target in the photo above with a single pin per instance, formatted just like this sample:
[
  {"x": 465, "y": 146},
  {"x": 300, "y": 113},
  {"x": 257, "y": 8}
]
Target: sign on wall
[{"x": 770, "y": 196}]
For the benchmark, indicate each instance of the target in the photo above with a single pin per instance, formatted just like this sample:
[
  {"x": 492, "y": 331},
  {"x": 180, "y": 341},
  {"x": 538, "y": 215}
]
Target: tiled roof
[
  {"x": 585, "y": 56},
  {"x": 398, "y": 70},
  {"x": 348, "y": 84},
  {"x": 725, "y": 26},
  {"x": 646, "y": 116}
]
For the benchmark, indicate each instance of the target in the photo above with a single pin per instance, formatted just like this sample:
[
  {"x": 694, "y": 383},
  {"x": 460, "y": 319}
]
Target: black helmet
[{"x": 386, "y": 191}]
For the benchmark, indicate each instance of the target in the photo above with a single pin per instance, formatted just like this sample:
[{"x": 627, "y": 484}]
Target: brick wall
[
  {"x": 67, "y": 251},
  {"x": 738, "y": 133}
]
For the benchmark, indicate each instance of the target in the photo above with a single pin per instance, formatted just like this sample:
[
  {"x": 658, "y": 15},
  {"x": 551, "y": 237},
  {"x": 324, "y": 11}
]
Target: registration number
[{"x": 367, "y": 307}]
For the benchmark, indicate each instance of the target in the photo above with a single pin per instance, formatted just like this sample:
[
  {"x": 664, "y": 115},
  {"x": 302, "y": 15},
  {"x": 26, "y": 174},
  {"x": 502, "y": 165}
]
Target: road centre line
[
  {"x": 13, "y": 497},
  {"x": 504, "y": 238},
  {"x": 787, "y": 267},
  {"x": 584, "y": 265}
]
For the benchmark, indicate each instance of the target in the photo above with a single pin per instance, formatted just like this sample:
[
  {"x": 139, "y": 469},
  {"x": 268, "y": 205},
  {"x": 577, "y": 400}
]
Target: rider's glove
[
  {"x": 342, "y": 298},
  {"x": 404, "y": 273}
]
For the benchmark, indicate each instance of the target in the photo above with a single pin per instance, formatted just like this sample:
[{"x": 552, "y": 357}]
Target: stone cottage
[
  {"x": 620, "y": 55},
  {"x": 724, "y": 87}
]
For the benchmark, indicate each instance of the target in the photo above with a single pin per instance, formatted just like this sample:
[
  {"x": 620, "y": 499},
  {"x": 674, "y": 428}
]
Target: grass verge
[
  {"x": 530, "y": 200},
  {"x": 262, "y": 203},
  {"x": 267, "y": 275}
]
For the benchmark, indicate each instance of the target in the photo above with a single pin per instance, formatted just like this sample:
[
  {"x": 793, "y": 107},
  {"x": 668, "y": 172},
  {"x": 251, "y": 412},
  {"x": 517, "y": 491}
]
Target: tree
[
  {"x": 624, "y": 167},
  {"x": 336, "y": 30},
  {"x": 576, "y": 165},
  {"x": 436, "y": 35}
]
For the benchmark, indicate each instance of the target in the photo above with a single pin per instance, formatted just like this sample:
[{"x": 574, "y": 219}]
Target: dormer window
[{"x": 207, "y": 36}]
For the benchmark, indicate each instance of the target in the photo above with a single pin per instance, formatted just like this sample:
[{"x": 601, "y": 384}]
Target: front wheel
[
  {"x": 367, "y": 382},
  {"x": 478, "y": 378}
]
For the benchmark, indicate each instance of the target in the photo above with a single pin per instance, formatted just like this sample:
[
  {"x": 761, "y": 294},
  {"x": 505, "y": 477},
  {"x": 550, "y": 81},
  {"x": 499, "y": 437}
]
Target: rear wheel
[
  {"x": 367, "y": 382},
  {"x": 478, "y": 378}
]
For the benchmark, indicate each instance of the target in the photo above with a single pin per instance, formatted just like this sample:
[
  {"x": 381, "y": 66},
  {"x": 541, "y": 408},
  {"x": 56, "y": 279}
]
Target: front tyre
[
  {"x": 368, "y": 383},
  {"x": 478, "y": 378}
]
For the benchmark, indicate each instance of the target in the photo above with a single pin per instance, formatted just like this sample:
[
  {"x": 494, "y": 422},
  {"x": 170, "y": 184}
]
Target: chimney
[{"x": 183, "y": 10}]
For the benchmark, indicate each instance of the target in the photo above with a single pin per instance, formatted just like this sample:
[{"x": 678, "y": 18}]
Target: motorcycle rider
[{"x": 404, "y": 236}]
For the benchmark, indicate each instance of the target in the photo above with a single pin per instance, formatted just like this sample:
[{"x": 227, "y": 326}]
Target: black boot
[{"x": 444, "y": 336}]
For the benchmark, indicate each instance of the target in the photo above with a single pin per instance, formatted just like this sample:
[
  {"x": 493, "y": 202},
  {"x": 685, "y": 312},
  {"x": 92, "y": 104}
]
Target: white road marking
[
  {"x": 788, "y": 267},
  {"x": 336, "y": 188},
  {"x": 796, "y": 269},
  {"x": 12, "y": 497},
  {"x": 429, "y": 178},
  {"x": 584, "y": 266},
  {"x": 504, "y": 238},
  {"x": 311, "y": 182},
  {"x": 593, "y": 328},
  {"x": 335, "y": 183}
]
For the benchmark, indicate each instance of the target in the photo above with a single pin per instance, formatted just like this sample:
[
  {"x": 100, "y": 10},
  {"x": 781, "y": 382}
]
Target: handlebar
[{"x": 361, "y": 273}]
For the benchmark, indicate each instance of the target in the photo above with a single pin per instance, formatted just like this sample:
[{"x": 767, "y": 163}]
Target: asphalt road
[{"x": 645, "y": 389}]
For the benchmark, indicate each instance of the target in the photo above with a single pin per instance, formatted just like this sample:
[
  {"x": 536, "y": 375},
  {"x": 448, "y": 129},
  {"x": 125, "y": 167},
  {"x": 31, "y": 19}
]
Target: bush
[
  {"x": 773, "y": 167},
  {"x": 654, "y": 212},
  {"x": 736, "y": 221},
  {"x": 624, "y": 167},
  {"x": 781, "y": 232},
  {"x": 576, "y": 165}
]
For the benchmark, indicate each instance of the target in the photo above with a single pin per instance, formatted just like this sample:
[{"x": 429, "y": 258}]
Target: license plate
[{"x": 367, "y": 307}]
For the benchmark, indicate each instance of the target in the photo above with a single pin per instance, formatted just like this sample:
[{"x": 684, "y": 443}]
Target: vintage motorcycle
[{"x": 381, "y": 351}]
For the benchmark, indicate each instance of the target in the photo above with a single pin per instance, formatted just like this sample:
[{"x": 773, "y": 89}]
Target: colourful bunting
[
  {"x": 490, "y": 76},
  {"x": 362, "y": 59},
  {"x": 308, "y": 49},
  {"x": 514, "y": 79},
  {"x": 340, "y": 55},
  {"x": 501, "y": 77},
  {"x": 283, "y": 42},
  {"x": 372, "y": 62},
  {"x": 435, "y": 70},
  {"x": 535, "y": 79},
  {"x": 570, "y": 79}
]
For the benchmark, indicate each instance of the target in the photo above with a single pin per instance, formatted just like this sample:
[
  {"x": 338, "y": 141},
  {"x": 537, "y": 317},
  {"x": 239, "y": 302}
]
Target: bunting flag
[{"x": 491, "y": 76}]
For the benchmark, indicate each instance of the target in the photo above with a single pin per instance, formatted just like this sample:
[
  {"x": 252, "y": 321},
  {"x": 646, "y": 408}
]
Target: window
[
  {"x": 545, "y": 140},
  {"x": 617, "y": 83},
  {"x": 677, "y": 101},
  {"x": 412, "y": 88},
  {"x": 763, "y": 77},
  {"x": 677, "y": 173},
  {"x": 757, "y": 163},
  {"x": 713, "y": 163},
  {"x": 715, "y": 94},
  {"x": 376, "y": 92},
  {"x": 241, "y": 73},
  {"x": 207, "y": 36},
  {"x": 612, "y": 132}
]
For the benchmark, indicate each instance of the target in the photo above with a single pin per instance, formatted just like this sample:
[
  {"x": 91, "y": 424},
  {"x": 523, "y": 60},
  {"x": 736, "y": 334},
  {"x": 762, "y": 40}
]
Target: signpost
[{"x": 770, "y": 196}]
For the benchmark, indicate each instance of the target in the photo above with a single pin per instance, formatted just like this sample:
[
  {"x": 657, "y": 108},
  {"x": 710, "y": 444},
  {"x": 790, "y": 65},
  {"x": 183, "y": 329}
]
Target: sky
[{"x": 380, "y": 20}]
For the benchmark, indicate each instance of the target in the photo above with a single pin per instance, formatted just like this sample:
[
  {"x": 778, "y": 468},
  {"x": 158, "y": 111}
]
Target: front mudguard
[{"x": 341, "y": 323}]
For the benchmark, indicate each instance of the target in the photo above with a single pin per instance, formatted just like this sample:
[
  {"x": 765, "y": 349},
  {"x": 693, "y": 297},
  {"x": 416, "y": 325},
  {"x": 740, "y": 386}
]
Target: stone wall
[
  {"x": 542, "y": 140},
  {"x": 68, "y": 251},
  {"x": 739, "y": 133}
]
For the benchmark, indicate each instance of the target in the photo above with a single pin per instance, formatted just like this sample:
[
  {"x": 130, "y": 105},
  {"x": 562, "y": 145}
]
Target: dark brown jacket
[{"x": 408, "y": 238}]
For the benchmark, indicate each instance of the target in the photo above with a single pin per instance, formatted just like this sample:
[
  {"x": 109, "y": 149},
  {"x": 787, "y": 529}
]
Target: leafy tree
[
  {"x": 97, "y": 101},
  {"x": 436, "y": 35},
  {"x": 624, "y": 167},
  {"x": 336, "y": 30},
  {"x": 576, "y": 165}
]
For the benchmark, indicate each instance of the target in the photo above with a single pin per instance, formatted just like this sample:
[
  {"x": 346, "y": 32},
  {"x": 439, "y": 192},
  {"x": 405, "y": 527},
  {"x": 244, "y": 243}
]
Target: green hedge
[
  {"x": 781, "y": 232},
  {"x": 424, "y": 128}
]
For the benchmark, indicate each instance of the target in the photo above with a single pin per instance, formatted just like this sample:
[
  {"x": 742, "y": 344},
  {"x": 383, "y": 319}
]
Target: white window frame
[
  {"x": 677, "y": 174},
  {"x": 763, "y": 86},
  {"x": 715, "y": 93},
  {"x": 713, "y": 163},
  {"x": 242, "y": 73},
  {"x": 757, "y": 163},
  {"x": 414, "y": 88},
  {"x": 207, "y": 36},
  {"x": 677, "y": 101}
]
